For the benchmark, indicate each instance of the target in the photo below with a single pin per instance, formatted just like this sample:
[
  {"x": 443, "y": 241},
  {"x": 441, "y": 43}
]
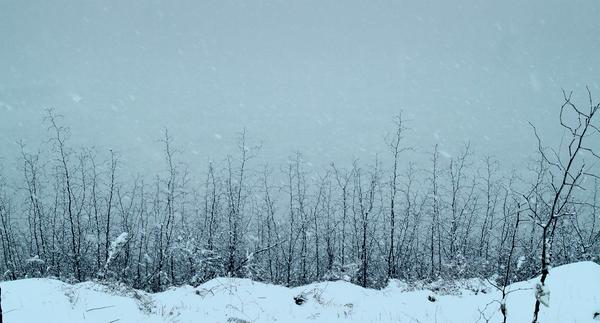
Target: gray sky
[{"x": 322, "y": 77}]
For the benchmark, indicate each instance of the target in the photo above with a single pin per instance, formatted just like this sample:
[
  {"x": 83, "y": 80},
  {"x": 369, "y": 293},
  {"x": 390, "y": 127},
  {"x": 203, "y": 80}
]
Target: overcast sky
[{"x": 322, "y": 77}]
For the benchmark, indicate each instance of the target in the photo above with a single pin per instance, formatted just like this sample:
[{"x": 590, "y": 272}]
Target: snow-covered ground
[{"x": 574, "y": 288}]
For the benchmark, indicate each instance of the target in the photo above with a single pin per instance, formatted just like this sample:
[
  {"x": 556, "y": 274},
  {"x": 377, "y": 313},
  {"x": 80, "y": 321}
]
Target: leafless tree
[
  {"x": 396, "y": 150},
  {"x": 567, "y": 172}
]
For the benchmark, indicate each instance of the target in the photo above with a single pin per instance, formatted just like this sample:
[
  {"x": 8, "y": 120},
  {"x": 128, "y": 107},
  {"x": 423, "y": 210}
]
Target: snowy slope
[{"x": 575, "y": 297}]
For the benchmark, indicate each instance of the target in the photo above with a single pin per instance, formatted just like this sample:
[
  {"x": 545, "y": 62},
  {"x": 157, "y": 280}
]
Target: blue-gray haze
[{"x": 321, "y": 77}]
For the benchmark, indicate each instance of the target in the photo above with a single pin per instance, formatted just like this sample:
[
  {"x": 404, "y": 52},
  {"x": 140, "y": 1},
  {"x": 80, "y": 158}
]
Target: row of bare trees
[{"x": 77, "y": 215}]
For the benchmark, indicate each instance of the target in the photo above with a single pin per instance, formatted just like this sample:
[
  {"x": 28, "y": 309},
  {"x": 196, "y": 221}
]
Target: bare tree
[
  {"x": 491, "y": 200},
  {"x": 435, "y": 228},
  {"x": 396, "y": 150},
  {"x": 366, "y": 203},
  {"x": 567, "y": 172},
  {"x": 59, "y": 139},
  {"x": 343, "y": 179},
  {"x": 36, "y": 217},
  {"x": 235, "y": 192}
]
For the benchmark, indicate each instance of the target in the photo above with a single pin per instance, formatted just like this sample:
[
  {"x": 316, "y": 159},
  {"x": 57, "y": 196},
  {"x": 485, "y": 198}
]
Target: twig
[{"x": 99, "y": 308}]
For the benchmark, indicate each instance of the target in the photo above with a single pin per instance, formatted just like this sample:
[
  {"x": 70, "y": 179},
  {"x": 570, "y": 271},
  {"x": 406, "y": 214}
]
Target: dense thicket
[{"x": 76, "y": 215}]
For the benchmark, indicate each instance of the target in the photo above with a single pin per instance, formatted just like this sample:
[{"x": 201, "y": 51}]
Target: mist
[{"x": 319, "y": 77}]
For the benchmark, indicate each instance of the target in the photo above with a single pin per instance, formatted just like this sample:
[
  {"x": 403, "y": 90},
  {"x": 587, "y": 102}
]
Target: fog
[{"x": 322, "y": 77}]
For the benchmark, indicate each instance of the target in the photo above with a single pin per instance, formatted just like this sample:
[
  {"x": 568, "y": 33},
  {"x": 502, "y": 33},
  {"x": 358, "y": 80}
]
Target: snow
[
  {"x": 575, "y": 291},
  {"x": 6, "y": 106},
  {"x": 520, "y": 262},
  {"x": 445, "y": 154},
  {"x": 76, "y": 97},
  {"x": 116, "y": 246},
  {"x": 35, "y": 260}
]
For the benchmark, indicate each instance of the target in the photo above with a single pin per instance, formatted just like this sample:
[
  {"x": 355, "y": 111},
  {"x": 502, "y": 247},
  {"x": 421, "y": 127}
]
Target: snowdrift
[{"x": 574, "y": 288}]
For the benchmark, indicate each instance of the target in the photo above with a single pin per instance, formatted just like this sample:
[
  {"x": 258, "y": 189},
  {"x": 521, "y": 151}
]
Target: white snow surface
[{"x": 575, "y": 297}]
